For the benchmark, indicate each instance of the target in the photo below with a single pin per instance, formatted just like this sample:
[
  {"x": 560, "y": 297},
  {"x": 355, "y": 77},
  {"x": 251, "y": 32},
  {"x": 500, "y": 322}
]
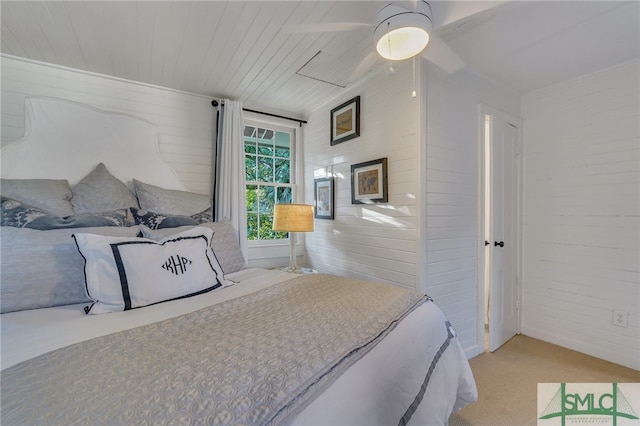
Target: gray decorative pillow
[
  {"x": 21, "y": 215},
  {"x": 170, "y": 201},
  {"x": 47, "y": 194},
  {"x": 100, "y": 191},
  {"x": 154, "y": 220},
  {"x": 224, "y": 243},
  {"x": 41, "y": 269}
]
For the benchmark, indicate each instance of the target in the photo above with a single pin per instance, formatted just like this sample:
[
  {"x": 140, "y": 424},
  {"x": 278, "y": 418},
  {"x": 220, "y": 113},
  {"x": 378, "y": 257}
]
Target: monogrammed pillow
[
  {"x": 128, "y": 273},
  {"x": 225, "y": 243}
]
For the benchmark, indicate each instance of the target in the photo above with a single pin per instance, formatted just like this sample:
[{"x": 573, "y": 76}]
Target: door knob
[
  {"x": 486, "y": 243},
  {"x": 501, "y": 243}
]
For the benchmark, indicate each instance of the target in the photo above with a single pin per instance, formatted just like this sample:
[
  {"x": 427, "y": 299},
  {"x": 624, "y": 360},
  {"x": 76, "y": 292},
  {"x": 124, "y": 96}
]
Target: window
[{"x": 269, "y": 167}]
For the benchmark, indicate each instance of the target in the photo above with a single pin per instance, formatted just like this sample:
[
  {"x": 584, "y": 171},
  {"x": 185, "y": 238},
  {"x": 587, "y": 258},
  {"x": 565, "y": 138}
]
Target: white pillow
[{"x": 127, "y": 273}]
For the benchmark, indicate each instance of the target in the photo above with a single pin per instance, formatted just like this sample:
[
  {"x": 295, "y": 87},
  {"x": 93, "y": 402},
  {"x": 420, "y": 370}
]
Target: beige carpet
[{"x": 507, "y": 380}]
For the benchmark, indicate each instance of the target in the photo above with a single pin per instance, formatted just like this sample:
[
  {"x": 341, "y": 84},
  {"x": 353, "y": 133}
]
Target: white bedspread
[{"x": 357, "y": 397}]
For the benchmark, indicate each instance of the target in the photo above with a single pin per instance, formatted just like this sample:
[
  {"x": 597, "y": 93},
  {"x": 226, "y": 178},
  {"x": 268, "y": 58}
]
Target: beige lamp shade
[{"x": 293, "y": 218}]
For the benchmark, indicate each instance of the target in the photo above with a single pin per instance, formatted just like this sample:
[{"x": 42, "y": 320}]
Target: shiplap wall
[
  {"x": 186, "y": 122},
  {"x": 452, "y": 194},
  {"x": 582, "y": 214},
  {"x": 426, "y": 236},
  {"x": 372, "y": 241}
]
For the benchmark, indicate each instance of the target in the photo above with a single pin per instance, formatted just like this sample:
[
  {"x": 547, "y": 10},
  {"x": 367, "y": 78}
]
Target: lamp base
[
  {"x": 293, "y": 265},
  {"x": 298, "y": 270}
]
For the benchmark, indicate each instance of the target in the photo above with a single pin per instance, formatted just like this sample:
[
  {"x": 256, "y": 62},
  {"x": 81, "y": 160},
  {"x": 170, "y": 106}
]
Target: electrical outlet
[{"x": 620, "y": 318}]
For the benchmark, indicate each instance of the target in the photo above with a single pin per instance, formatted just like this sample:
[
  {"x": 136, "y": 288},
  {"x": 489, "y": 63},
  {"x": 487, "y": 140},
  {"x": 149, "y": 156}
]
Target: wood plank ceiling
[
  {"x": 247, "y": 50},
  {"x": 232, "y": 49}
]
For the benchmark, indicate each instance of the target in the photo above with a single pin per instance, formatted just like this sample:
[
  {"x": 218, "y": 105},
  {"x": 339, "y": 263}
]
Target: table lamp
[{"x": 293, "y": 218}]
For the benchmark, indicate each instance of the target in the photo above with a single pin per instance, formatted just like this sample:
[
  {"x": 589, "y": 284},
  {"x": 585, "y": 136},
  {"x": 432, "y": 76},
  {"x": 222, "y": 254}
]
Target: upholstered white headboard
[{"x": 66, "y": 140}]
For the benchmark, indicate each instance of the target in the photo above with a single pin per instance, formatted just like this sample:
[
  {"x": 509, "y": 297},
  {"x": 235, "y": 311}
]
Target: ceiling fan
[{"x": 399, "y": 26}]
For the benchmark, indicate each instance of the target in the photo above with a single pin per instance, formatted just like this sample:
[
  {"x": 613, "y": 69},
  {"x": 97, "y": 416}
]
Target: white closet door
[{"x": 503, "y": 313}]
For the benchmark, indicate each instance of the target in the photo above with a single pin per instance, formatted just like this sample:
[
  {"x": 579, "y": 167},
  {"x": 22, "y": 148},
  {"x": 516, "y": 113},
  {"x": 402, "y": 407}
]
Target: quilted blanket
[{"x": 258, "y": 359}]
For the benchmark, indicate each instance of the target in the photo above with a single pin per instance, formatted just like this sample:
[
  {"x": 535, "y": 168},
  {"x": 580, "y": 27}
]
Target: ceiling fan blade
[
  {"x": 363, "y": 67},
  {"x": 325, "y": 27},
  {"x": 440, "y": 54}
]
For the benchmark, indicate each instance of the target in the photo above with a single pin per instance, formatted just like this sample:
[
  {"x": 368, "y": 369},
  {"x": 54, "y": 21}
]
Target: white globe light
[{"x": 402, "y": 33}]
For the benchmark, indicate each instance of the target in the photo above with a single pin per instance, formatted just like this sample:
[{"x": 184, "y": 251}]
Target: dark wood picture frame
[
  {"x": 345, "y": 121},
  {"x": 369, "y": 183},
  {"x": 323, "y": 189}
]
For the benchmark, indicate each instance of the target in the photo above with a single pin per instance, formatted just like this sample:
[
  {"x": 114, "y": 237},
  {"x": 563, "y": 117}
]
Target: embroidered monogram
[{"x": 176, "y": 264}]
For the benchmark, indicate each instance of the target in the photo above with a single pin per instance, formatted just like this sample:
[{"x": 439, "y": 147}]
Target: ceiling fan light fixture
[{"x": 402, "y": 33}]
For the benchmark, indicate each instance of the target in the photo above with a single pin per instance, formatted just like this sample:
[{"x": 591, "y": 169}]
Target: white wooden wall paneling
[
  {"x": 582, "y": 214},
  {"x": 186, "y": 122},
  {"x": 451, "y": 200},
  {"x": 378, "y": 242}
]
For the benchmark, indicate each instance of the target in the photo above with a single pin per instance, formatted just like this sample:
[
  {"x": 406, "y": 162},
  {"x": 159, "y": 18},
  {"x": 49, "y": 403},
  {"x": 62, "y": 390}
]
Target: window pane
[
  {"x": 250, "y": 139},
  {"x": 283, "y": 170},
  {"x": 265, "y": 150},
  {"x": 266, "y": 223},
  {"x": 283, "y": 144},
  {"x": 252, "y": 198},
  {"x": 252, "y": 226},
  {"x": 265, "y": 143},
  {"x": 265, "y": 134},
  {"x": 265, "y": 169},
  {"x": 250, "y": 167},
  {"x": 267, "y": 199},
  {"x": 250, "y": 147},
  {"x": 282, "y": 152},
  {"x": 284, "y": 196}
]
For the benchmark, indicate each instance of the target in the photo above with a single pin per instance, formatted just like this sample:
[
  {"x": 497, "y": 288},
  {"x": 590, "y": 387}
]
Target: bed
[{"x": 88, "y": 340}]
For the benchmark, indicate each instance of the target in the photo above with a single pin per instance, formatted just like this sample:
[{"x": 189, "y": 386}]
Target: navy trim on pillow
[
  {"x": 126, "y": 296},
  {"x": 84, "y": 271}
]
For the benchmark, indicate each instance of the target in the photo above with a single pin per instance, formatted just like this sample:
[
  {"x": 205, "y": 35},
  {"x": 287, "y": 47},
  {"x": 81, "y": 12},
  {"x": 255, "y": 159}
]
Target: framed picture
[
  {"x": 323, "y": 190},
  {"x": 345, "y": 121},
  {"x": 369, "y": 182}
]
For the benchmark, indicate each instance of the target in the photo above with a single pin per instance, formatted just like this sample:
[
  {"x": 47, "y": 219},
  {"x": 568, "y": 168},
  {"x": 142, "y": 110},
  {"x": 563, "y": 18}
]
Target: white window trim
[{"x": 273, "y": 248}]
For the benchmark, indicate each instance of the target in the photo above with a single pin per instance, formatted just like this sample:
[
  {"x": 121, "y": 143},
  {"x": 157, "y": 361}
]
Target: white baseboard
[
  {"x": 594, "y": 349},
  {"x": 473, "y": 351}
]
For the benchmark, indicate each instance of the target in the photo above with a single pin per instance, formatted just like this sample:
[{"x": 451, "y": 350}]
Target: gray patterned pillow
[
  {"x": 170, "y": 201},
  {"x": 100, "y": 191},
  {"x": 21, "y": 215},
  {"x": 41, "y": 269},
  {"x": 154, "y": 220},
  {"x": 47, "y": 194},
  {"x": 224, "y": 243}
]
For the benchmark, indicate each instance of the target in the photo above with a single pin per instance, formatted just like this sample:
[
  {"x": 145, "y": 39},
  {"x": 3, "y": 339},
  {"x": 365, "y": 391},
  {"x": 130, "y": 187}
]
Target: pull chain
[
  {"x": 413, "y": 93},
  {"x": 390, "y": 70}
]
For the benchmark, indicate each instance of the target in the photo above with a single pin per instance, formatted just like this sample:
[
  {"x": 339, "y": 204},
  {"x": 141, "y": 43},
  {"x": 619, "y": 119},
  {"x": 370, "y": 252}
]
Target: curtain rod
[{"x": 215, "y": 104}]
